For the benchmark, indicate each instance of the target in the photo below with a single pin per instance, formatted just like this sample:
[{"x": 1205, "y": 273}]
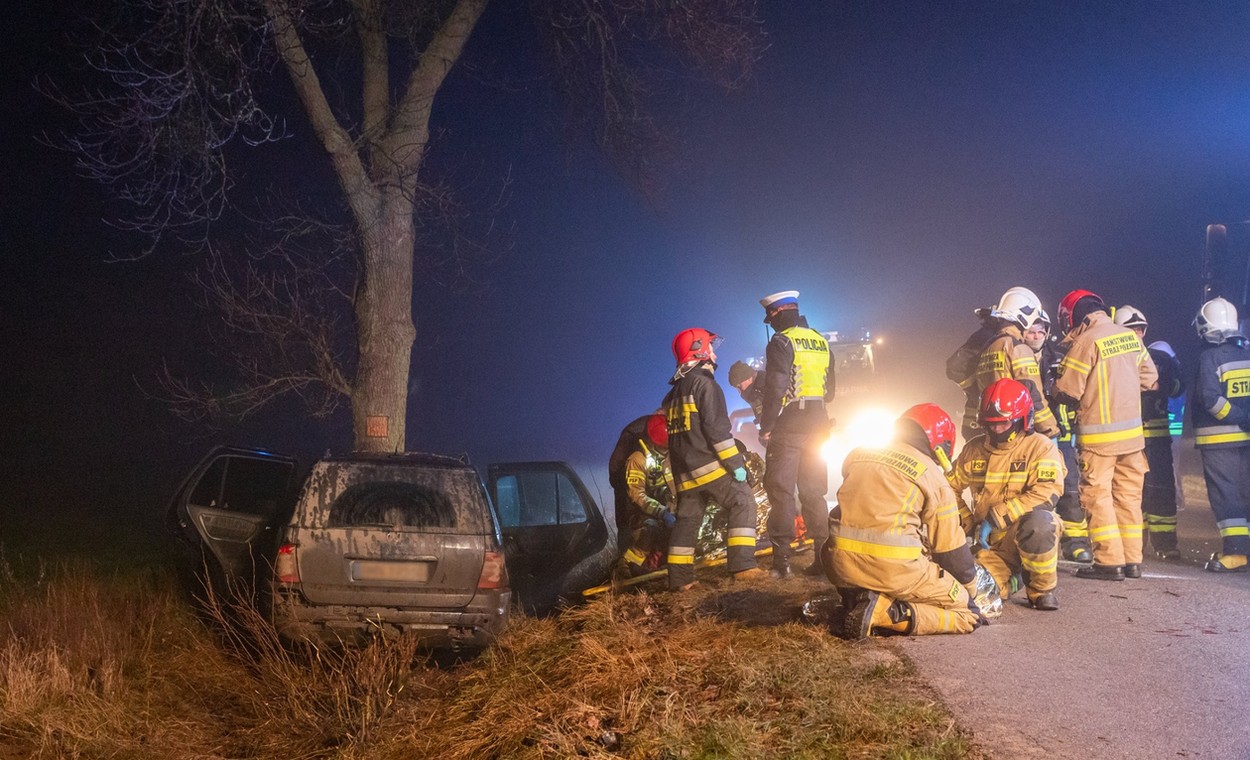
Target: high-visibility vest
[{"x": 811, "y": 364}]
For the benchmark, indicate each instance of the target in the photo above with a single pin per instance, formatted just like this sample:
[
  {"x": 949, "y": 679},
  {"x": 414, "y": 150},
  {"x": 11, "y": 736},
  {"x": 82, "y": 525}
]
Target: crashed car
[{"x": 370, "y": 542}]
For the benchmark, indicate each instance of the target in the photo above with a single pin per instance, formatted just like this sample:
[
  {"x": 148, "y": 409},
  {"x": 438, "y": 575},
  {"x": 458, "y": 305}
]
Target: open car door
[
  {"x": 556, "y": 540},
  {"x": 228, "y": 509}
]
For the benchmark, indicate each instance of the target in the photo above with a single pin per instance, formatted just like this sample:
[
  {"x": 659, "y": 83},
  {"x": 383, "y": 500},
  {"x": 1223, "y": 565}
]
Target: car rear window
[
  {"x": 402, "y": 505},
  {"x": 400, "y": 497}
]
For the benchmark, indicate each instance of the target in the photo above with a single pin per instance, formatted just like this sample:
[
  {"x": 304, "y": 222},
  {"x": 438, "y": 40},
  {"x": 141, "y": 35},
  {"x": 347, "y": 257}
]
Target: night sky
[{"x": 899, "y": 163}]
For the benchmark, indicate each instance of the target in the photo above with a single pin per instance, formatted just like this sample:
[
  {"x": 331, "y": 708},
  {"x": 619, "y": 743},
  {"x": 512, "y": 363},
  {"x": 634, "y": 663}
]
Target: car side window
[
  {"x": 528, "y": 499},
  {"x": 243, "y": 484}
]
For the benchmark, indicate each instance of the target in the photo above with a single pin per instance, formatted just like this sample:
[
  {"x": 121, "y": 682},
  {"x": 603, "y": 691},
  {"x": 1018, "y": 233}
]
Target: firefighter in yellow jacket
[
  {"x": 1016, "y": 477},
  {"x": 1102, "y": 376},
  {"x": 896, "y": 550},
  {"x": 1008, "y": 355},
  {"x": 649, "y": 492}
]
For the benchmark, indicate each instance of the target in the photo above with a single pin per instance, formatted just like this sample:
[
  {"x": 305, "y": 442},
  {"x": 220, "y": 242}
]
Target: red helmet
[
  {"x": 694, "y": 344},
  {"x": 1007, "y": 400},
  {"x": 657, "y": 430},
  {"x": 1068, "y": 304},
  {"x": 937, "y": 427}
]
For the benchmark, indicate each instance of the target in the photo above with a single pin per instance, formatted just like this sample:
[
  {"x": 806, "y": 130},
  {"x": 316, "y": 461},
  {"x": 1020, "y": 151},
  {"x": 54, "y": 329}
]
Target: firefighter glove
[
  {"x": 740, "y": 474},
  {"x": 655, "y": 508},
  {"x": 670, "y": 519}
]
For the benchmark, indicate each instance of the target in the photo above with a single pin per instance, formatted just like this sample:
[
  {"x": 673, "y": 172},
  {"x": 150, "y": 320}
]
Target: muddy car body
[{"x": 404, "y": 542}]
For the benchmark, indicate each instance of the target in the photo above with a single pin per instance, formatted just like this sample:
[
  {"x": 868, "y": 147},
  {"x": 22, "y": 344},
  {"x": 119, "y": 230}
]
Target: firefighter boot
[
  {"x": 1101, "y": 572},
  {"x": 876, "y": 614},
  {"x": 1132, "y": 570},
  {"x": 1046, "y": 601},
  {"x": 1226, "y": 563},
  {"x": 781, "y": 564}
]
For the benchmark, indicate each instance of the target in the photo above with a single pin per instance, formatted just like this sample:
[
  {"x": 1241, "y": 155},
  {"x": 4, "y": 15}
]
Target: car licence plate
[{"x": 374, "y": 570}]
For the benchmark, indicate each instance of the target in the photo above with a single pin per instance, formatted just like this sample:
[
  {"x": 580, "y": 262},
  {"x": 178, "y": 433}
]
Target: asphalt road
[{"x": 1157, "y": 667}]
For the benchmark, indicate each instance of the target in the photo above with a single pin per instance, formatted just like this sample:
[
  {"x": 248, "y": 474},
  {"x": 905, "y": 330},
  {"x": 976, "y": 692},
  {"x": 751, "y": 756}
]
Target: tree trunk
[{"x": 384, "y": 329}]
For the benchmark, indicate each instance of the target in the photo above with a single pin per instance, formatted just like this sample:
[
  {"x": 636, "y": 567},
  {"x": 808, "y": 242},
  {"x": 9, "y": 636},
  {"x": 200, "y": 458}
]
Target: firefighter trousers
[
  {"x": 794, "y": 462},
  {"x": 1227, "y": 473},
  {"x": 1030, "y": 546},
  {"x": 1111, "y": 491},
  {"x": 1158, "y": 503},
  {"x": 941, "y": 603},
  {"x": 736, "y": 499}
]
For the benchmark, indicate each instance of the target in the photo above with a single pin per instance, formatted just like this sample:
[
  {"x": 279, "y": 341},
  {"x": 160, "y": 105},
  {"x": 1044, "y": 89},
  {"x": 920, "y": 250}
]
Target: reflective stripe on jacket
[
  {"x": 895, "y": 508},
  {"x": 1011, "y": 480},
  {"x": 1008, "y": 356},
  {"x": 1154, "y": 404},
  {"x": 1105, "y": 370},
  {"x": 701, "y": 447},
  {"x": 1221, "y": 400}
]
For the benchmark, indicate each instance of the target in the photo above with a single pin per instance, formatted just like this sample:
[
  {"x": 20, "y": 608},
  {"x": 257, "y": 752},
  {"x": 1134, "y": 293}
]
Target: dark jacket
[
  {"x": 701, "y": 446},
  {"x": 778, "y": 376},
  {"x": 1221, "y": 404}
]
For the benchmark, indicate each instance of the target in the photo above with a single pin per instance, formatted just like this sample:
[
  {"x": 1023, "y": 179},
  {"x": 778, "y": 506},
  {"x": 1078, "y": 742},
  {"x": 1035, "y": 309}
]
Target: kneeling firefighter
[
  {"x": 1015, "y": 476},
  {"x": 649, "y": 492},
  {"x": 896, "y": 551}
]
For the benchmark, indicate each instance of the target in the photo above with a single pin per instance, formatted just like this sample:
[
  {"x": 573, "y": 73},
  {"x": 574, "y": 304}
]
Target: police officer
[
  {"x": 1221, "y": 418},
  {"x": 794, "y": 423},
  {"x": 706, "y": 462}
]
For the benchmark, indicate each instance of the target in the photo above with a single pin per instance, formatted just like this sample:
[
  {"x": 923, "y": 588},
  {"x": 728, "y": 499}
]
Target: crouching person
[
  {"x": 1016, "y": 477},
  {"x": 896, "y": 550}
]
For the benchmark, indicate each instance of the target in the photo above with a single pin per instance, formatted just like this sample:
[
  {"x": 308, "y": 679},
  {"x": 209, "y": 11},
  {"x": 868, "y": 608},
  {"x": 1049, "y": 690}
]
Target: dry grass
[{"x": 118, "y": 666}]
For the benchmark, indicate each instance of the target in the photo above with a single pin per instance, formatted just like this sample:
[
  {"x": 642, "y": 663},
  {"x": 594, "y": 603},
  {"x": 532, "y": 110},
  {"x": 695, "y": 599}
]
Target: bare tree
[{"x": 186, "y": 89}]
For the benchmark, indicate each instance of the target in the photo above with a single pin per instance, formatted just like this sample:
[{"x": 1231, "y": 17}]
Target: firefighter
[
  {"x": 1015, "y": 476},
  {"x": 1221, "y": 409},
  {"x": 961, "y": 367},
  {"x": 1007, "y": 355},
  {"x": 648, "y": 494},
  {"x": 705, "y": 461},
  {"x": 1159, "y": 489},
  {"x": 1102, "y": 375},
  {"x": 794, "y": 424},
  {"x": 1074, "y": 542},
  {"x": 896, "y": 550}
]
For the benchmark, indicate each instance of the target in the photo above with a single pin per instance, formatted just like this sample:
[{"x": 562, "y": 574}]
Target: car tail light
[
  {"x": 494, "y": 572},
  {"x": 285, "y": 568}
]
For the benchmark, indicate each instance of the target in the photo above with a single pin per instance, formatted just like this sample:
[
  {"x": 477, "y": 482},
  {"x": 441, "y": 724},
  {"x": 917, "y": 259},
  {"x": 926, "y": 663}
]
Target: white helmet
[
  {"x": 1019, "y": 305},
  {"x": 1217, "y": 321},
  {"x": 1164, "y": 346},
  {"x": 1130, "y": 316}
]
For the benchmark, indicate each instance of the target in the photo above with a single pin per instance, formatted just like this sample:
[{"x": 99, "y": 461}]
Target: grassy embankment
[{"x": 98, "y": 664}]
